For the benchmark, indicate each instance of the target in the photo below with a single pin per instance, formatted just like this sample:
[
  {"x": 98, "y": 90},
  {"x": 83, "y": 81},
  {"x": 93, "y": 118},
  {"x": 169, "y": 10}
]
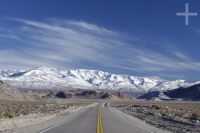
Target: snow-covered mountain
[{"x": 50, "y": 78}]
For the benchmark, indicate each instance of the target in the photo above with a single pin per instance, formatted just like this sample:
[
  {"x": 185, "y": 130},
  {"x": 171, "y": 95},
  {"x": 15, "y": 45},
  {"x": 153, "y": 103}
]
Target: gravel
[{"x": 164, "y": 117}]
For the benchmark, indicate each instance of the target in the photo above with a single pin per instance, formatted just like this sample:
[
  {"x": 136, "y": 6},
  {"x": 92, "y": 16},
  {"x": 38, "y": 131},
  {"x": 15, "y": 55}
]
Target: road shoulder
[
  {"x": 137, "y": 122},
  {"x": 53, "y": 122}
]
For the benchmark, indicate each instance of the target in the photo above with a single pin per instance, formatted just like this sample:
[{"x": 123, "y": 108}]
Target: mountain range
[{"x": 51, "y": 78}]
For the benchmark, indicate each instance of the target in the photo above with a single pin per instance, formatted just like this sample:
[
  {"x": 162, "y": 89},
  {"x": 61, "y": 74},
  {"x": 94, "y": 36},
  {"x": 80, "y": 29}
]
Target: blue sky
[{"x": 134, "y": 37}]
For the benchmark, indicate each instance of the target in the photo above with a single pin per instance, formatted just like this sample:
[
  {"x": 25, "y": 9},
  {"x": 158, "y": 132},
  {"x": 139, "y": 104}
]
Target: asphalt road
[{"x": 87, "y": 122}]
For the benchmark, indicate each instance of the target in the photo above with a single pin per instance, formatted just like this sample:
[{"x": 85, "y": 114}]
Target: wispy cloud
[{"x": 72, "y": 44}]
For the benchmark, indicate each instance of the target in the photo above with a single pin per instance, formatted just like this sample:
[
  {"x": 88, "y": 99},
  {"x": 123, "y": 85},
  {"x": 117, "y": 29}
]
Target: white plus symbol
[{"x": 186, "y": 14}]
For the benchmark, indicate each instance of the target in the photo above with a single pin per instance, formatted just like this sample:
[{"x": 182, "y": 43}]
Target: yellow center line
[{"x": 99, "y": 123}]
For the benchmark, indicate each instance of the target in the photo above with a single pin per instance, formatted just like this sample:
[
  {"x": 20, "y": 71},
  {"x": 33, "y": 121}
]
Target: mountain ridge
[
  {"x": 187, "y": 93},
  {"x": 51, "y": 78}
]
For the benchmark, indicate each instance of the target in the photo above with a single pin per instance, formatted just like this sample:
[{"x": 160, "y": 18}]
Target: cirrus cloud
[{"x": 77, "y": 44}]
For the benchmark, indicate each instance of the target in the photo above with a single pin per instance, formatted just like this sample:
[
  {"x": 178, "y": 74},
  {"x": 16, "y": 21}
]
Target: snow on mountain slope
[{"x": 50, "y": 78}]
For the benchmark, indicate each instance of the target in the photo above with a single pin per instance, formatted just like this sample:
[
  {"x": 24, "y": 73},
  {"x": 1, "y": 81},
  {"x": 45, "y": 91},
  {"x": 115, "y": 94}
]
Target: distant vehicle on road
[{"x": 106, "y": 104}]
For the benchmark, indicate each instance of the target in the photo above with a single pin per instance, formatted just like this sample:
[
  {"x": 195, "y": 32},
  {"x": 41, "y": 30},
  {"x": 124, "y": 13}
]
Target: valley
[{"x": 44, "y": 100}]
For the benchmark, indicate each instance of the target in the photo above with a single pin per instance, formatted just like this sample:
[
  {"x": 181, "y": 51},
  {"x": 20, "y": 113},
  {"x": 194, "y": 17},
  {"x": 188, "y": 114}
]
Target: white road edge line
[
  {"x": 43, "y": 131},
  {"x": 131, "y": 122}
]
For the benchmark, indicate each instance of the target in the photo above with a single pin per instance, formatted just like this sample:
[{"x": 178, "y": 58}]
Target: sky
[{"x": 132, "y": 37}]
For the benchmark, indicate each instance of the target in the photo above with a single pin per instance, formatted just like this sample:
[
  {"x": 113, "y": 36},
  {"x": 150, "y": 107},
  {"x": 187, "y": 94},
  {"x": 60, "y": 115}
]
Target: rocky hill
[
  {"x": 184, "y": 93},
  {"x": 8, "y": 92}
]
